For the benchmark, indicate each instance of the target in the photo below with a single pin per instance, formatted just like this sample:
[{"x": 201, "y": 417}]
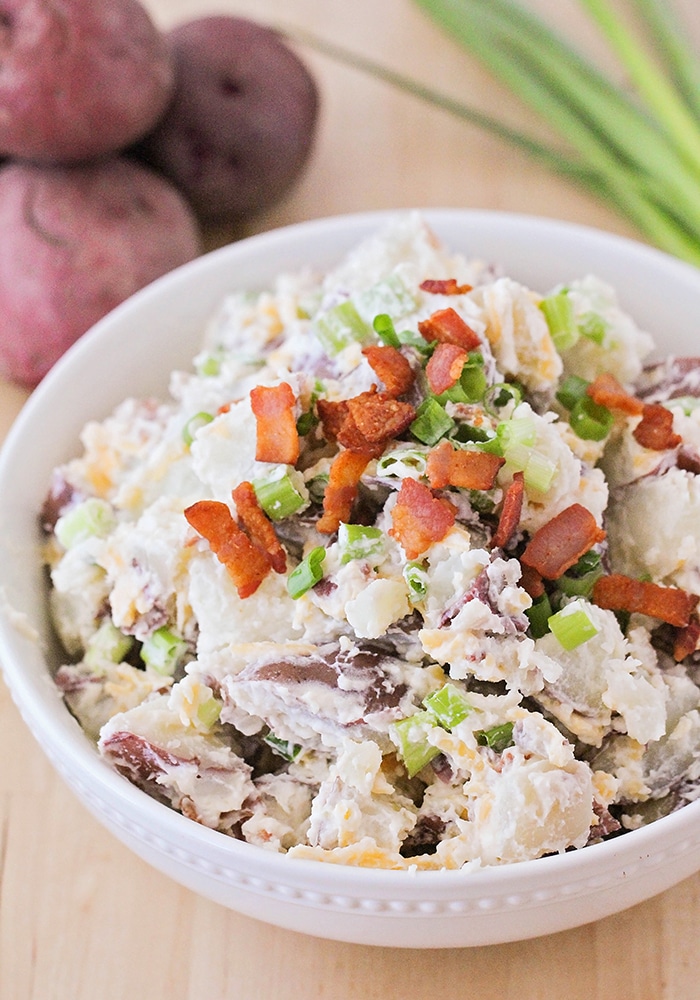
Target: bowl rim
[{"x": 74, "y": 755}]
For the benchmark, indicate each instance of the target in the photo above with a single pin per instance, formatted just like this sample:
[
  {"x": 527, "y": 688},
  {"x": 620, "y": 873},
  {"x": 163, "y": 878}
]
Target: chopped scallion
[
  {"x": 432, "y": 421},
  {"x": 385, "y": 330},
  {"x": 498, "y": 738},
  {"x": 589, "y": 420},
  {"x": 307, "y": 574},
  {"x": 572, "y": 625},
  {"x": 93, "y": 518},
  {"x": 107, "y": 643},
  {"x": 449, "y": 705},
  {"x": 359, "y": 541},
  {"x": 403, "y": 462},
  {"x": 416, "y": 580},
  {"x": 559, "y": 312},
  {"x": 200, "y": 419},
  {"x": 163, "y": 650},
  {"x": 209, "y": 711},
  {"x": 411, "y": 739},
  {"x": 538, "y": 616},
  {"x": 278, "y": 496},
  {"x": 572, "y": 389},
  {"x": 283, "y": 748},
  {"x": 500, "y": 396},
  {"x": 593, "y": 327},
  {"x": 341, "y": 326},
  {"x": 579, "y": 580}
]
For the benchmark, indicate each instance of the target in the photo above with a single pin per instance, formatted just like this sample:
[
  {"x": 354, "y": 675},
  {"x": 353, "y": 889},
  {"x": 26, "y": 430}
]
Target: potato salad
[{"x": 403, "y": 573}]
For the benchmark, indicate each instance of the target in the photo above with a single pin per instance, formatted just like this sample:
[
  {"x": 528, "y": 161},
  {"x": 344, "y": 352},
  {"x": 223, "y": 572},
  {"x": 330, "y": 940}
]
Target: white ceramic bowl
[{"x": 131, "y": 352}]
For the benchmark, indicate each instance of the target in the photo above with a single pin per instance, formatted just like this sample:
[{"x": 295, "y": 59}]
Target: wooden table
[{"x": 80, "y": 916}]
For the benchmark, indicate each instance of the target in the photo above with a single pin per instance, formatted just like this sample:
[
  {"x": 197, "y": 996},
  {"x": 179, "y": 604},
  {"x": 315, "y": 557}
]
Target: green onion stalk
[{"x": 638, "y": 150}]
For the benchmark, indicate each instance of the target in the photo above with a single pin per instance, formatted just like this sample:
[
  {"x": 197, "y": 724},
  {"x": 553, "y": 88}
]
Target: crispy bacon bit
[
  {"x": 445, "y": 366},
  {"x": 561, "y": 542},
  {"x": 623, "y": 593},
  {"x": 655, "y": 429},
  {"x": 470, "y": 470},
  {"x": 605, "y": 390},
  {"x": 420, "y": 518},
  {"x": 687, "y": 640},
  {"x": 531, "y": 582},
  {"x": 247, "y": 565},
  {"x": 510, "y": 511},
  {"x": 447, "y": 327},
  {"x": 389, "y": 365},
  {"x": 277, "y": 437},
  {"x": 343, "y": 480},
  {"x": 444, "y": 286},
  {"x": 258, "y": 526},
  {"x": 366, "y": 422}
]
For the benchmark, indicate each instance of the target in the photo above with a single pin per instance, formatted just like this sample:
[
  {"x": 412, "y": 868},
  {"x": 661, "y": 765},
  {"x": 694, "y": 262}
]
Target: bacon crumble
[
  {"x": 470, "y": 470},
  {"x": 618, "y": 592},
  {"x": 444, "y": 286},
  {"x": 258, "y": 525},
  {"x": 445, "y": 367},
  {"x": 447, "y": 327},
  {"x": 420, "y": 518},
  {"x": 277, "y": 437},
  {"x": 511, "y": 510},
  {"x": 560, "y": 543},
  {"x": 391, "y": 367},
  {"x": 343, "y": 482},
  {"x": 246, "y": 564}
]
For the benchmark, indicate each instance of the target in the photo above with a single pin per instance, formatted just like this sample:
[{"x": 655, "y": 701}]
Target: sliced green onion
[
  {"x": 558, "y": 310},
  {"x": 449, "y": 705},
  {"x": 465, "y": 433},
  {"x": 501, "y": 395},
  {"x": 538, "y": 616},
  {"x": 385, "y": 330},
  {"x": 200, "y": 419},
  {"x": 107, "y": 643},
  {"x": 317, "y": 487},
  {"x": 593, "y": 327},
  {"x": 589, "y": 420},
  {"x": 210, "y": 364},
  {"x": 209, "y": 711},
  {"x": 389, "y": 296},
  {"x": 413, "y": 746},
  {"x": 403, "y": 462},
  {"x": 539, "y": 472},
  {"x": 471, "y": 384},
  {"x": 572, "y": 625},
  {"x": 572, "y": 389},
  {"x": 341, "y": 326},
  {"x": 359, "y": 541},
  {"x": 283, "y": 748},
  {"x": 163, "y": 651},
  {"x": 498, "y": 738},
  {"x": 412, "y": 338},
  {"x": 579, "y": 580},
  {"x": 278, "y": 496},
  {"x": 432, "y": 422},
  {"x": 416, "y": 580},
  {"x": 93, "y": 518},
  {"x": 307, "y": 574}
]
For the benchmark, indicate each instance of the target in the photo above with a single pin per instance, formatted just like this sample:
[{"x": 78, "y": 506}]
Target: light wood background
[{"x": 80, "y": 917}]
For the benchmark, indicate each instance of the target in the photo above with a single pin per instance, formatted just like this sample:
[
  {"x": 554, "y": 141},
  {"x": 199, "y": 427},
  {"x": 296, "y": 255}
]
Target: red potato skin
[
  {"x": 241, "y": 124},
  {"x": 77, "y": 241},
  {"x": 79, "y": 78}
]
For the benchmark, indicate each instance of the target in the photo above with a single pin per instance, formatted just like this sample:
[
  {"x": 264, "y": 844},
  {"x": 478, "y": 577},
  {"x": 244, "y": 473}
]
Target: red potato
[
  {"x": 79, "y": 78},
  {"x": 77, "y": 241},
  {"x": 241, "y": 124}
]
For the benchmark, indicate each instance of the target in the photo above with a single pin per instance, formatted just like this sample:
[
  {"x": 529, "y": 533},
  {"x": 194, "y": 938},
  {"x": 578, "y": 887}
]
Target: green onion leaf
[
  {"x": 341, "y": 326},
  {"x": 572, "y": 625},
  {"x": 538, "y": 616},
  {"x": 449, "y": 705},
  {"x": 500, "y": 396},
  {"x": 278, "y": 496},
  {"x": 163, "y": 651},
  {"x": 431, "y": 422},
  {"x": 283, "y": 748},
  {"x": 572, "y": 389},
  {"x": 416, "y": 580},
  {"x": 359, "y": 541},
  {"x": 589, "y": 420},
  {"x": 107, "y": 643},
  {"x": 579, "y": 580},
  {"x": 559, "y": 312},
  {"x": 209, "y": 711},
  {"x": 200, "y": 419},
  {"x": 498, "y": 738},
  {"x": 307, "y": 574},
  {"x": 411, "y": 739},
  {"x": 385, "y": 330},
  {"x": 93, "y": 518}
]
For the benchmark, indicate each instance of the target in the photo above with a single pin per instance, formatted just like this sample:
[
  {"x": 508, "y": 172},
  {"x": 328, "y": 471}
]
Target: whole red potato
[
  {"x": 79, "y": 78},
  {"x": 241, "y": 124},
  {"x": 77, "y": 241}
]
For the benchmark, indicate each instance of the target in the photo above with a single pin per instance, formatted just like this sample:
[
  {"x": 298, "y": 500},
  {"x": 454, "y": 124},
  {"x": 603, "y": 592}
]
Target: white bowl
[{"x": 131, "y": 352}]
